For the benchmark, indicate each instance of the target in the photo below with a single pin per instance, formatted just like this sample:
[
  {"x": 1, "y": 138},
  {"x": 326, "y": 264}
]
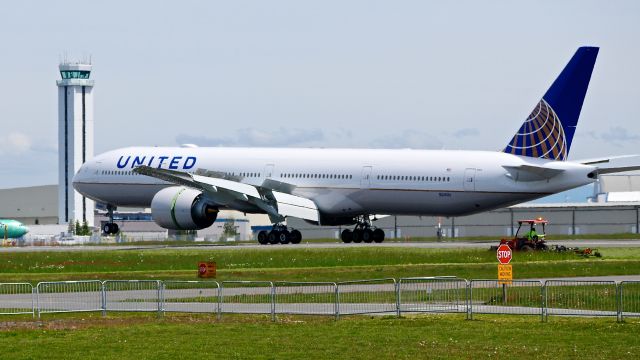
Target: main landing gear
[
  {"x": 110, "y": 228},
  {"x": 363, "y": 232},
  {"x": 279, "y": 234}
]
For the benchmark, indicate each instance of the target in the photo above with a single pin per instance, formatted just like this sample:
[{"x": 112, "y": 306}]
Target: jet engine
[{"x": 182, "y": 208}]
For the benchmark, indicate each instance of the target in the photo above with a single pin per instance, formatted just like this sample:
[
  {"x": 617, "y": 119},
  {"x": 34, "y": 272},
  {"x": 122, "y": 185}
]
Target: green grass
[
  {"x": 123, "y": 336},
  {"x": 336, "y": 264},
  {"x": 254, "y": 337}
]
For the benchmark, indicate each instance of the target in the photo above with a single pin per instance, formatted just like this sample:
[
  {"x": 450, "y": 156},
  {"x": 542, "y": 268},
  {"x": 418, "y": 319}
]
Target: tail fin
[{"x": 548, "y": 131}]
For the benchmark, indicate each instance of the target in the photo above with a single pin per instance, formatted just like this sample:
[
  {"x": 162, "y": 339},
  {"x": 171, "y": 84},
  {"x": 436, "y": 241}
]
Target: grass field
[
  {"x": 125, "y": 336},
  {"x": 255, "y": 337},
  {"x": 333, "y": 264}
]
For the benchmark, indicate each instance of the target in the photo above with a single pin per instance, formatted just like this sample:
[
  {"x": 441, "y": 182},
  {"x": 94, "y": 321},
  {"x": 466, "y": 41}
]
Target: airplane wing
[
  {"x": 531, "y": 172},
  {"x": 276, "y": 204}
]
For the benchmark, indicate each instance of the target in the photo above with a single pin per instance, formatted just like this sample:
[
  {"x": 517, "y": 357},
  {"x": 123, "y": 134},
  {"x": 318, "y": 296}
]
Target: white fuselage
[{"x": 342, "y": 182}]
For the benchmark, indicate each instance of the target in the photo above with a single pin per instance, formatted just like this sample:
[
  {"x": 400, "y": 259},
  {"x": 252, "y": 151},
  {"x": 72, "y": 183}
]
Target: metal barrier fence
[
  {"x": 69, "y": 296},
  {"x": 367, "y": 297},
  {"x": 581, "y": 298},
  {"x": 132, "y": 295},
  {"x": 247, "y": 297},
  {"x": 629, "y": 300},
  {"x": 432, "y": 294},
  {"x": 306, "y": 298},
  {"x": 17, "y": 298},
  {"x": 190, "y": 296},
  {"x": 517, "y": 297},
  {"x": 408, "y": 295}
]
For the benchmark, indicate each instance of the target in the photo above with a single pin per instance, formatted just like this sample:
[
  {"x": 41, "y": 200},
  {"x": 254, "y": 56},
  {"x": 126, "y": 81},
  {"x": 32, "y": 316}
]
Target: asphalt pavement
[{"x": 591, "y": 243}]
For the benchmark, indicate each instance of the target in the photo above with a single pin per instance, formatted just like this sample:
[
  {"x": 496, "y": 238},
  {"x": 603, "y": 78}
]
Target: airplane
[
  {"x": 11, "y": 229},
  {"x": 185, "y": 187}
]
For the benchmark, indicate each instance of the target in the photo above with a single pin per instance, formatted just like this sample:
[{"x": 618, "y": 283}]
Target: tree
[
  {"x": 85, "y": 229},
  {"x": 229, "y": 229},
  {"x": 78, "y": 229}
]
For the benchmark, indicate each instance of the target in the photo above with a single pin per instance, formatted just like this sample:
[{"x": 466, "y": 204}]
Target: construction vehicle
[{"x": 527, "y": 237}]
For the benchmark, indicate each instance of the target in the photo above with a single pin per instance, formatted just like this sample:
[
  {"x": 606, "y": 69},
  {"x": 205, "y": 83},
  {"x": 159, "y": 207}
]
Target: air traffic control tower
[{"x": 75, "y": 139}]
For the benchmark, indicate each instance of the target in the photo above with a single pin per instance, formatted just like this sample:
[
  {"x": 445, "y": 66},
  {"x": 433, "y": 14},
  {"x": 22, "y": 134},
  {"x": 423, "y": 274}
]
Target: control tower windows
[{"x": 75, "y": 74}]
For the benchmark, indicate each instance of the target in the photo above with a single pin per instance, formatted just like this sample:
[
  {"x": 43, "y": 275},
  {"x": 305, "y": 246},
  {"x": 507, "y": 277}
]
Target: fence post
[
  {"x": 544, "y": 301},
  {"x": 33, "y": 302},
  {"x": 337, "y": 299},
  {"x": 469, "y": 301},
  {"x": 160, "y": 297},
  {"x": 104, "y": 298},
  {"x": 398, "y": 300},
  {"x": 38, "y": 299},
  {"x": 619, "y": 291},
  {"x": 220, "y": 285},
  {"x": 273, "y": 302}
]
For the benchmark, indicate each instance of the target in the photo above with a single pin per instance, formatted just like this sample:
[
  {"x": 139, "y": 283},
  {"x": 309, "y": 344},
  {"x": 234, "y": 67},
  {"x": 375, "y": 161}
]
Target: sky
[{"x": 366, "y": 74}]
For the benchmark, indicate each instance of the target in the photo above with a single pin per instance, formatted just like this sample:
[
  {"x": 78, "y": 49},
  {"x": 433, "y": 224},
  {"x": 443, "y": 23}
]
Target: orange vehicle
[{"x": 531, "y": 237}]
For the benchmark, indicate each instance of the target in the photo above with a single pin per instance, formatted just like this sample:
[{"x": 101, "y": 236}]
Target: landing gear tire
[
  {"x": 295, "y": 237},
  {"x": 110, "y": 228},
  {"x": 263, "y": 237},
  {"x": 356, "y": 236},
  {"x": 274, "y": 237},
  {"x": 378, "y": 235},
  {"x": 346, "y": 236},
  {"x": 284, "y": 237},
  {"x": 367, "y": 235}
]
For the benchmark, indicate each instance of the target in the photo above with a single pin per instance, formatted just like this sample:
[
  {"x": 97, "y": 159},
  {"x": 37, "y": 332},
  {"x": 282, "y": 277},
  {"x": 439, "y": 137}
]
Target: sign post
[{"x": 505, "y": 272}]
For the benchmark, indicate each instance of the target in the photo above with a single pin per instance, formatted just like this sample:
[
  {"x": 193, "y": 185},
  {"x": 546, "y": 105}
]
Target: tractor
[{"x": 530, "y": 239}]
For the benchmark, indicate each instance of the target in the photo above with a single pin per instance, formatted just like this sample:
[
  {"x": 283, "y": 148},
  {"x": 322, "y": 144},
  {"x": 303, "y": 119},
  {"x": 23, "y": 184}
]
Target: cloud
[
  {"x": 616, "y": 135},
  {"x": 408, "y": 139},
  {"x": 466, "y": 132},
  {"x": 257, "y": 137},
  {"x": 14, "y": 143}
]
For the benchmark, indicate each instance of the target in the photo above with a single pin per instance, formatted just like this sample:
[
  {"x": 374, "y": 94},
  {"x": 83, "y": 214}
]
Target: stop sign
[{"x": 504, "y": 254}]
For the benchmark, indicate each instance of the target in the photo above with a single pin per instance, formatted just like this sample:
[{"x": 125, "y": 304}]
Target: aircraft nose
[
  {"x": 25, "y": 229},
  {"x": 76, "y": 176},
  {"x": 80, "y": 175}
]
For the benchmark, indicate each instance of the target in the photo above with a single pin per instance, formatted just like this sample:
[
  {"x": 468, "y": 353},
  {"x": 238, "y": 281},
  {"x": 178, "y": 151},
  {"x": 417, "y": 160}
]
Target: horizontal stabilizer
[
  {"x": 531, "y": 172},
  {"x": 613, "y": 170},
  {"x": 604, "y": 160}
]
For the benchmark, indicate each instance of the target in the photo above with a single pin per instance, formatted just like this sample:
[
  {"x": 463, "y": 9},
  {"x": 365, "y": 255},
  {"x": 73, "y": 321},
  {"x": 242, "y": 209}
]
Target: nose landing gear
[{"x": 110, "y": 228}]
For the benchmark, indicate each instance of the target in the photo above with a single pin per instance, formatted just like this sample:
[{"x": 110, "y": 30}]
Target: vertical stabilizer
[{"x": 548, "y": 131}]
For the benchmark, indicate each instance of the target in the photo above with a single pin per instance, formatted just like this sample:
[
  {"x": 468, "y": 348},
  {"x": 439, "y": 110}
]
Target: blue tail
[{"x": 548, "y": 131}]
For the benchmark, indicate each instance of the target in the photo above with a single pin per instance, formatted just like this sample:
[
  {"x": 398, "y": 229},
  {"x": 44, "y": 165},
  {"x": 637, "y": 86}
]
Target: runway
[{"x": 592, "y": 243}]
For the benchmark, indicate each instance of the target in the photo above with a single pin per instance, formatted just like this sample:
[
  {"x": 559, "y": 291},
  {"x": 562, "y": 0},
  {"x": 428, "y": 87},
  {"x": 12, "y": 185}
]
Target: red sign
[
  {"x": 207, "y": 269},
  {"x": 202, "y": 269},
  {"x": 504, "y": 254}
]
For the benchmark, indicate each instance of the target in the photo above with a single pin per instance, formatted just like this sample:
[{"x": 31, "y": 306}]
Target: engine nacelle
[{"x": 182, "y": 208}]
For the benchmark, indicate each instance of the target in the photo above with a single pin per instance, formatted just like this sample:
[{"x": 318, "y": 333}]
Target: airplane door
[
  {"x": 365, "y": 179},
  {"x": 470, "y": 180},
  {"x": 268, "y": 171}
]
